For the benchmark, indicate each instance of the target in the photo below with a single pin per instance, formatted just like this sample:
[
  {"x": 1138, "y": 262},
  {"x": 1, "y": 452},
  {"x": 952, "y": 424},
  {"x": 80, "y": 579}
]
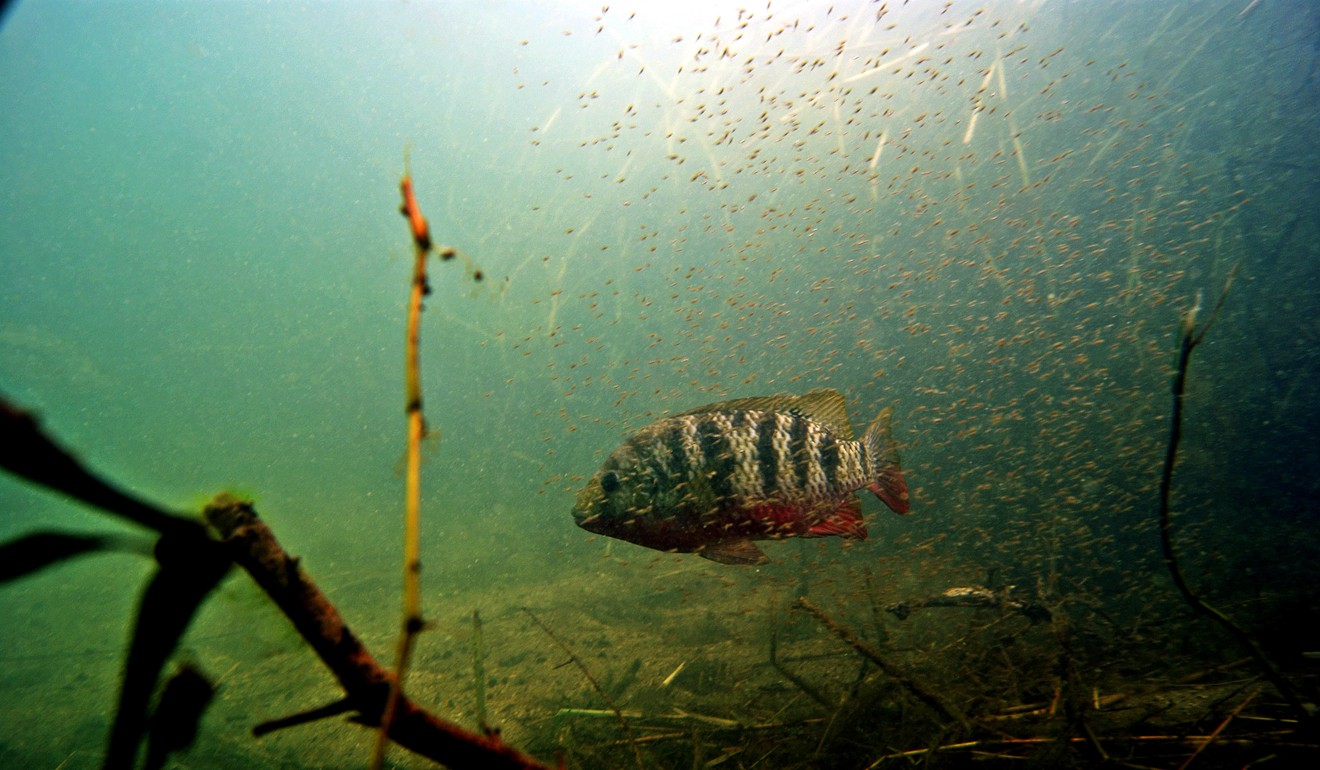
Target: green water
[{"x": 989, "y": 216}]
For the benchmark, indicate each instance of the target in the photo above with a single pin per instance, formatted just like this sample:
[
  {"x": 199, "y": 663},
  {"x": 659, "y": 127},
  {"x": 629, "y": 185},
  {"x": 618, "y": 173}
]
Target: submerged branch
[
  {"x": 245, "y": 540},
  {"x": 775, "y": 663},
  {"x": 412, "y": 623},
  {"x": 366, "y": 684},
  {"x": 924, "y": 694},
  {"x": 28, "y": 453},
  {"x": 586, "y": 672},
  {"x": 190, "y": 568},
  {"x": 1191, "y": 337},
  {"x": 35, "y": 551}
]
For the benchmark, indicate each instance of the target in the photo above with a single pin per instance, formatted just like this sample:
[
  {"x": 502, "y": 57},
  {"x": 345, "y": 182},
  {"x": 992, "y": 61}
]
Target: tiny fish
[{"x": 712, "y": 480}]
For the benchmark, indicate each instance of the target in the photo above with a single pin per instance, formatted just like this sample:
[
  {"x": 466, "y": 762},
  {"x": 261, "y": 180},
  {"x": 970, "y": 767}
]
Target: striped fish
[{"x": 713, "y": 479}]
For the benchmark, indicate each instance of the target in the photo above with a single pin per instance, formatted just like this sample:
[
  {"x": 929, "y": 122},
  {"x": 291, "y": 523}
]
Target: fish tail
[{"x": 888, "y": 484}]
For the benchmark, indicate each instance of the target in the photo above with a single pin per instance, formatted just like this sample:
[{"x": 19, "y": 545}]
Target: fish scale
[
  {"x": 739, "y": 430},
  {"x": 785, "y": 470}
]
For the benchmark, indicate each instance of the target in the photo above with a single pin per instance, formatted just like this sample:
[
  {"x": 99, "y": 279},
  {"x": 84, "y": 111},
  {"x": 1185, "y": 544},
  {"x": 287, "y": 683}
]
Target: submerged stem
[
  {"x": 412, "y": 561},
  {"x": 1191, "y": 337}
]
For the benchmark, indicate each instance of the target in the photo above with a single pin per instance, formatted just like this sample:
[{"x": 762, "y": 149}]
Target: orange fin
[
  {"x": 735, "y": 552},
  {"x": 892, "y": 490},
  {"x": 846, "y": 522}
]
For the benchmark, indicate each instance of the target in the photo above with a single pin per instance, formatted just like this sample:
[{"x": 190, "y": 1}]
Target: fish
[
  {"x": 714, "y": 479},
  {"x": 975, "y": 596}
]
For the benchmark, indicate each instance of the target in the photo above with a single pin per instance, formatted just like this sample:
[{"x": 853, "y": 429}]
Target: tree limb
[{"x": 26, "y": 452}]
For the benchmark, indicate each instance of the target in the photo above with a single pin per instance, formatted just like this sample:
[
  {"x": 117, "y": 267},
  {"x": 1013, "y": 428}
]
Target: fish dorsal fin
[
  {"x": 758, "y": 403},
  {"x": 824, "y": 405}
]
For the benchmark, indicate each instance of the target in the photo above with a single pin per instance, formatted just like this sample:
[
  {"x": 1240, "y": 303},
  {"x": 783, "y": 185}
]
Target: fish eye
[{"x": 609, "y": 481}]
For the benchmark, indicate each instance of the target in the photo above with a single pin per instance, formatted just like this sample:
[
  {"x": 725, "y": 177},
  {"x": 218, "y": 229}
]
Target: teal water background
[{"x": 990, "y": 216}]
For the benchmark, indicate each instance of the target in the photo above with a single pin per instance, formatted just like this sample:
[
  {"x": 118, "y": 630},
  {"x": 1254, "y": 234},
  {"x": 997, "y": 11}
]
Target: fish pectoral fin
[
  {"x": 845, "y": 522},
  {"x": 734, "y": 552}
]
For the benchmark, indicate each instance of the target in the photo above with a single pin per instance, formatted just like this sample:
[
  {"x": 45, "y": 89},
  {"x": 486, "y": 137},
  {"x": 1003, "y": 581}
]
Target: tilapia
[{"x": 712, "y": 480}]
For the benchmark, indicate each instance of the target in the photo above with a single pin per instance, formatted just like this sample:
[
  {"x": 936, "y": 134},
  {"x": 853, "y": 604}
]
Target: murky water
[{"x": 990, "y": 216}]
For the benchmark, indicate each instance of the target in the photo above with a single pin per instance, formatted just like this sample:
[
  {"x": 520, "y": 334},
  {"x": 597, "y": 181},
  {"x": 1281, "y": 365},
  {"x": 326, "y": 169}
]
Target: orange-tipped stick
[
  {"x": 412, "y": 559},
  {"x": 421, "y": 232}
]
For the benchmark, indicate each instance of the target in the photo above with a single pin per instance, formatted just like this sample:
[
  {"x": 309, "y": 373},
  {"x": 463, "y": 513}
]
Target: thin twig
[
  {"x": 413, "y": 622},
  {"x": 1006, "y": 743},
  {"x": 1211, "y": 737},
  {"x": 479, "y": 671},
  {"x": 627, "y": 728},
  {"x": 922, "y": 693},
  {"x": 335, "y": 708},
  {"x": 802, "y": 685},
  {"x": 1191, "y": 337}
]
